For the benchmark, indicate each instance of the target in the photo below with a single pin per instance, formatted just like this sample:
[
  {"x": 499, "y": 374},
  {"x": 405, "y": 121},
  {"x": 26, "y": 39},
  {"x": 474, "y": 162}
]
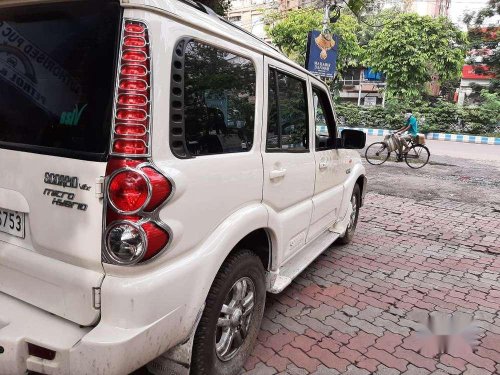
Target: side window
[
  {"x": 288, "y": 125},
  {"x": 219, "y": 100},
  {"x": 323, "y": 119}
]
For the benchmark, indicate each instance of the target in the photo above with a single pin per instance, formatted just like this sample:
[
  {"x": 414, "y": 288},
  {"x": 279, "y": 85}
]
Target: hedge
[{"x": 443, "y": 117}]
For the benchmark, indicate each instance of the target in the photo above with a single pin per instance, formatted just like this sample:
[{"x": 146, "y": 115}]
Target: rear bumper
[{"x": 103, "y": 349}]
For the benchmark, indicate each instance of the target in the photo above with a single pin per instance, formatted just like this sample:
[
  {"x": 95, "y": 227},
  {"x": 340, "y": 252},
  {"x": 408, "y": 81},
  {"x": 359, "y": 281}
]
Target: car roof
[{"x": 201, "y": 17}]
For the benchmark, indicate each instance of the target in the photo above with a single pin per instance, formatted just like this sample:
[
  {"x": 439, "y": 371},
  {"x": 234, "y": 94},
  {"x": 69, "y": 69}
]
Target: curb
[
  {"x": 439, "y": 136},
  {"x": 463, "y": 138}
]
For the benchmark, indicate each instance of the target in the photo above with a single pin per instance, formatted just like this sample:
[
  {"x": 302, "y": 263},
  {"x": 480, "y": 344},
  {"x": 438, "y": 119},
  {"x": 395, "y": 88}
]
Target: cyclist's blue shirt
[{"x": 413, "y": 124}]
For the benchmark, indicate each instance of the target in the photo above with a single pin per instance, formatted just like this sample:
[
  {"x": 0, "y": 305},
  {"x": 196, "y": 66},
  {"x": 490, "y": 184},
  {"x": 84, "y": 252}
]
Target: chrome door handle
[
  {"x": 323, "y": 165},
  {"x": 277, "y": 173}
]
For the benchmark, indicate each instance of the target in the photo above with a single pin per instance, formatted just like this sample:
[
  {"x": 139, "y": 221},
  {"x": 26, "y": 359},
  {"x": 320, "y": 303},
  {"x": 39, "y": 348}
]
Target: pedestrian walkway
[{"x": 362, "y": 308}]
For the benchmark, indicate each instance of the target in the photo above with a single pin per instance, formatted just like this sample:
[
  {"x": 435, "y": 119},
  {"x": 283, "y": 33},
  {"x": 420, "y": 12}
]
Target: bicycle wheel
[
  {"x": 417, "y": 156},
  {"x": 377, "y": 153}
]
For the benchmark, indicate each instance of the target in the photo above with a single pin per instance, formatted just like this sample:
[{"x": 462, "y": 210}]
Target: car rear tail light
[
  {"x": 134, "y": 41},
  {"x": 134, "y": 56},
  {"x": 134, "y": 27},
  {"x": 135, "y": 191},
  {"x": 133, "y": 70},
  {"x": 129, "y": 147},
  {"x": 130, "y": 129},
  {"x": 133, "y": 102},
  {"x": 126, "y": 242},
  {"x": 128, "y": 190},
  {"x": 135, "y": 188},
  {"x": 157, "y": 239},
  {"x": 133, "y": 85},
  {"x": 161, "y": 188}
]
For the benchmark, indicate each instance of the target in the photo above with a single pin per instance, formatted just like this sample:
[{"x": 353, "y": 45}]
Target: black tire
[
  {"x": 377, "y": 153},
  {"x": 349, "y": 233},
  {"x": 417, "y": 156},
  {"x": 243, "y": 264}
]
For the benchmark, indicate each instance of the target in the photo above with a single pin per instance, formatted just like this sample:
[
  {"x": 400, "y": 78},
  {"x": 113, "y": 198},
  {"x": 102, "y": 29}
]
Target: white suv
[{"x": 161, "y": 170}]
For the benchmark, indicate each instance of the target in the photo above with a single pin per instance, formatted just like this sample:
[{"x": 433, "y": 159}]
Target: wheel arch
[
  {"x": 259, "y": 242},
  {"x": 362, "y": 182}
]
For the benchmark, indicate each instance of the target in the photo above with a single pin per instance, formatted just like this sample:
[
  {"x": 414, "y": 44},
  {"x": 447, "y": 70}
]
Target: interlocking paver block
[
  {"x": 299, "y": 358},
  {"x": 363, "y": 307},
  {"x": 278, "y": 362},
  {"x": 362, "y": 341},
  {"x": 389, "y": 341},
  {"x": 279, "y": 340},
  {"x": 328, "y": 358}
]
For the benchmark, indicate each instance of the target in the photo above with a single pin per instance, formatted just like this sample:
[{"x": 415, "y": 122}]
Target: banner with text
[{"x": 321, "y": 56}]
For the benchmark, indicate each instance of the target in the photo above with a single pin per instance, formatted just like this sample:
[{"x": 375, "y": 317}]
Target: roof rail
[{"x": 195, "y": 5}]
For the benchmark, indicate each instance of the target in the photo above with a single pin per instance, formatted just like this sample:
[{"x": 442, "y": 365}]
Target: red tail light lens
[
  {"x": 130, "y": 147},
  {"x": 133, "y": 27},
  {"x": 131, "y": 114},
  {"x": 134, "y": 70},
  {"x": 157, "y": 239},
  {"x": 133, "y": 41},
  {"x": 130, "y": 129},
  {"x": 134, "y": 56},
  {"x": 133, "y": 85},
  {"x": 133, "y": 100},
  {"x": 161, "y": 187},
  {"x": 128, "y": 191}
]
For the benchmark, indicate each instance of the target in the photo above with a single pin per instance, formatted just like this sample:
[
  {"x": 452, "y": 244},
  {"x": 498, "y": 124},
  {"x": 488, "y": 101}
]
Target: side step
[{"x": 277, "y": 281}]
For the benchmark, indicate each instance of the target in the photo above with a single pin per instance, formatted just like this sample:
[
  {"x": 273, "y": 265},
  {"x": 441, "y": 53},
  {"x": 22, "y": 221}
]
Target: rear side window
[
  {"x": 219, "y": 100},
  {"x": 56, "y": 77},
  {"x": 287, "y": 124}
]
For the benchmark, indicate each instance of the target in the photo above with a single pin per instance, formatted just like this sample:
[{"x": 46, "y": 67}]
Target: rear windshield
[{"x": 57, "y": 69}]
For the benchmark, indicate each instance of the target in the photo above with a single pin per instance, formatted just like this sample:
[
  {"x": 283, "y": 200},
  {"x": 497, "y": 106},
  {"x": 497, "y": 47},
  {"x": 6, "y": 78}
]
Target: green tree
[
  {"x": 483, "y": 36},
  {"x": 289, "y": 34},
  {"x": 410, "y": 49},
  {"x": 218, "y": 6}
]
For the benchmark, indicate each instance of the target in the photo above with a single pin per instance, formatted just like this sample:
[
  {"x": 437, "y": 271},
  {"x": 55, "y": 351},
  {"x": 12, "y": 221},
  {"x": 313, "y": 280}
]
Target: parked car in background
[{"x": 160, "y": 172}]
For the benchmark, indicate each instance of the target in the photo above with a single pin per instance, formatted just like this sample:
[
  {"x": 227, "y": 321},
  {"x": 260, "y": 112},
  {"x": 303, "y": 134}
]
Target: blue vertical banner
[{"x": 321, "y": 55}]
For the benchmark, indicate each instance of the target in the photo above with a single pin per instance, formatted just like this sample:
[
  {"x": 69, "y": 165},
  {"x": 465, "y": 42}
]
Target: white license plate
[{"x": 12, "y": 222}]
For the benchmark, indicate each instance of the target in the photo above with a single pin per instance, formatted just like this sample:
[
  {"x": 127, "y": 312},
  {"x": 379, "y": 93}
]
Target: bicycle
[{"x": 416, "y": 156}]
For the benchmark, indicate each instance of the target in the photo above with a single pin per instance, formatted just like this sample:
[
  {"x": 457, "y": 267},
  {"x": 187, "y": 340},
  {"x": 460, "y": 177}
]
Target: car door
[
  {"x": 329, "y": 172},
  {"x": 287, "y": 157}
]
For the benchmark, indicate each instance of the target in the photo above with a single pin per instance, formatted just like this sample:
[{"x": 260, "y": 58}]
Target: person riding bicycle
[{"x": 411, "y": 127}]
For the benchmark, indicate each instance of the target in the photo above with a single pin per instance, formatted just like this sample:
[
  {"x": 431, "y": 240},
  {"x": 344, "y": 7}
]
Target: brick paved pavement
[{"x": 358, "y": 309}]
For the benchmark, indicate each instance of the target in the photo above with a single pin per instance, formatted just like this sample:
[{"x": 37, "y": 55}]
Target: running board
[{"x": 278, "y": 280}]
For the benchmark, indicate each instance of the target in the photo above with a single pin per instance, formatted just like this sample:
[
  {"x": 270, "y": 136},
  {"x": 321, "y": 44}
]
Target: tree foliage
[
  {"x": 218, "y": 6},
  {"x": 441, "y": 116},
  {"x": 411, "y": 49},
  {"x": 289, "y": 34},
  {"x": 486, "y": 37}
]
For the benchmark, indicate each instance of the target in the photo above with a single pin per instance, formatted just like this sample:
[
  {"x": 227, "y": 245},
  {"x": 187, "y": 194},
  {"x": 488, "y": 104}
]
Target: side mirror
[{"x": 353, "y": 139}]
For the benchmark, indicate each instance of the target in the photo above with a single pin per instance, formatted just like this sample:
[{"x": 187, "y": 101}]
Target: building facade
[{"x": 249, "y": 14}]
